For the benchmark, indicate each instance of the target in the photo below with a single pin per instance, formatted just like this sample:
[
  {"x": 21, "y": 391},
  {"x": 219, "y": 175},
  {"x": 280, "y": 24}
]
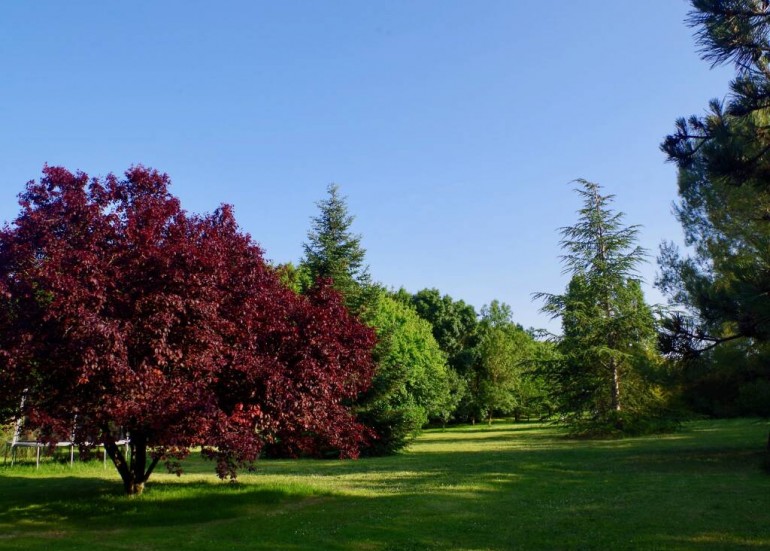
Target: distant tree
[
  {"x": 411, "y": 384},
  {"x": 296, "y": 278},
  {"x": 500, "y": 350},
  {"x": 119, "y": 311},
  {"x": 447, "y": 408},
  {"x": 333, "y": 252},
  {"x": 505, "y": 383},
  {"x": 496, "y": 314},
  {"x": 608, "y": 331},
  {"x": 454, "y": 325}
]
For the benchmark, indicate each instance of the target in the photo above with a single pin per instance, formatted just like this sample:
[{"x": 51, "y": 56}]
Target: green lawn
[{"x": 502, "y": 487}]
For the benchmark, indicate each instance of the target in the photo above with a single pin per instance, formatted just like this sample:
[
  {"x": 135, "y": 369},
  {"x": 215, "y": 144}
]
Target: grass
[{"x": 506, "y": 486}]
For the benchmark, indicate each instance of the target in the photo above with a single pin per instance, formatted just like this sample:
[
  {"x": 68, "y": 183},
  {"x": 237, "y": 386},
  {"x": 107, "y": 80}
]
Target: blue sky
[{"x": 453, "y": 127}]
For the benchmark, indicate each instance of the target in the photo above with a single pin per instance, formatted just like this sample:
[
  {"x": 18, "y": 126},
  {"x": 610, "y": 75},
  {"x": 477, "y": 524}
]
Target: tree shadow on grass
[
  {"x": 682, "y": 496},
  {"x": 98, "y": 503}
]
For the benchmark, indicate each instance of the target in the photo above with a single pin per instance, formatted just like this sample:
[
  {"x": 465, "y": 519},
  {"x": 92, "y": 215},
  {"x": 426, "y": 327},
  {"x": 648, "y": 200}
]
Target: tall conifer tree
[
  {"x": 721, "y": 285},
  {"x": 724, "y": 189},
  {"x": 607, "y": 328}
]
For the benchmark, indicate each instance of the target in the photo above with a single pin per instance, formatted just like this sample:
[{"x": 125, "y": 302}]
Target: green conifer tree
[
  {"x": 333, "y": 252},
  {"x": 607, "y": 329}
]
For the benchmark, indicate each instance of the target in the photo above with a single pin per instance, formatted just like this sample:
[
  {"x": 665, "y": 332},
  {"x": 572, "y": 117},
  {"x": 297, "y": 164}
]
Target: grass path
[{"x": 469, "y": 488}]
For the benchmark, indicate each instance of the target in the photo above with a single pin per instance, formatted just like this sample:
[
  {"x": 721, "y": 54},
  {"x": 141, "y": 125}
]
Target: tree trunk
[
  {"x": 615, "y": 386},
  {"x": 136, "y": 472},
  {"x": 616, "y": 406}
]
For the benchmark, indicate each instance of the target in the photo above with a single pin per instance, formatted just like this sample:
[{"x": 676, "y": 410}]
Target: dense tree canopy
[
  {"x": 490, "y": 358},
  {"x": 121, "y": 312},
  {"x": 454, "y": 326},
  {"x": 411, "y": 383}
]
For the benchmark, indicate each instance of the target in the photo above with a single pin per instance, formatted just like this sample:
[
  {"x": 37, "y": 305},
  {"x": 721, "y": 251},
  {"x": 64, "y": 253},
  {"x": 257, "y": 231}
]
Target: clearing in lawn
[{"x": 508, "y": 486}]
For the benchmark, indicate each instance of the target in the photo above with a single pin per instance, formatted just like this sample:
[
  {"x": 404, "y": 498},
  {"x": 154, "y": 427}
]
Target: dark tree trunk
[{"x": 135, "y": 471}]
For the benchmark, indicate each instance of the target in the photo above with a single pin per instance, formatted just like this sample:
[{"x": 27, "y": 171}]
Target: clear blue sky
[{"x": 453, "y": 127}]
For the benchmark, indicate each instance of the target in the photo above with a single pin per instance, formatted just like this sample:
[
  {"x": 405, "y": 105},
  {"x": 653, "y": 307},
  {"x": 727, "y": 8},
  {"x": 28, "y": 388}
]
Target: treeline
[{"x": 438, "y": 360}]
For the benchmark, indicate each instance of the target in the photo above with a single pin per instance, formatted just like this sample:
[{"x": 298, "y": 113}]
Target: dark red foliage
[{"x": 118, "y": 310}]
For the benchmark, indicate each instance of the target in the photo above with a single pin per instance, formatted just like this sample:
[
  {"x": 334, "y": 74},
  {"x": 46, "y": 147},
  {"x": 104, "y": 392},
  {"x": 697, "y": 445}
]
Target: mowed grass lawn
[{"x": 508, "y": 486}]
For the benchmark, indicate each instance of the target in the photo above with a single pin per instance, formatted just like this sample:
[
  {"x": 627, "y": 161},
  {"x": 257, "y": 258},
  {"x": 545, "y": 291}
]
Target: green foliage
[
  {"x": 490, "y": 359},
  {"x": 724, "y": 175},
  {"x": 725, "y": 283},
  {"x": 333, "y": 252},
  {"x": 721, "y": 287},
  {"x": 504, "y": 385},
  {"x": 296, "y": 278},
  {"x": 499, "y": 372},
  {"x": 541, "y": 404},
  {"x": 454, "y": 325},
  {"x": 412, "y": 383},
  {"x": 599, "y": 378},
  {"x": 446, "y": 409},
  {"x": 455, "y": 328},
  {"x": 727, "y": 381}
]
